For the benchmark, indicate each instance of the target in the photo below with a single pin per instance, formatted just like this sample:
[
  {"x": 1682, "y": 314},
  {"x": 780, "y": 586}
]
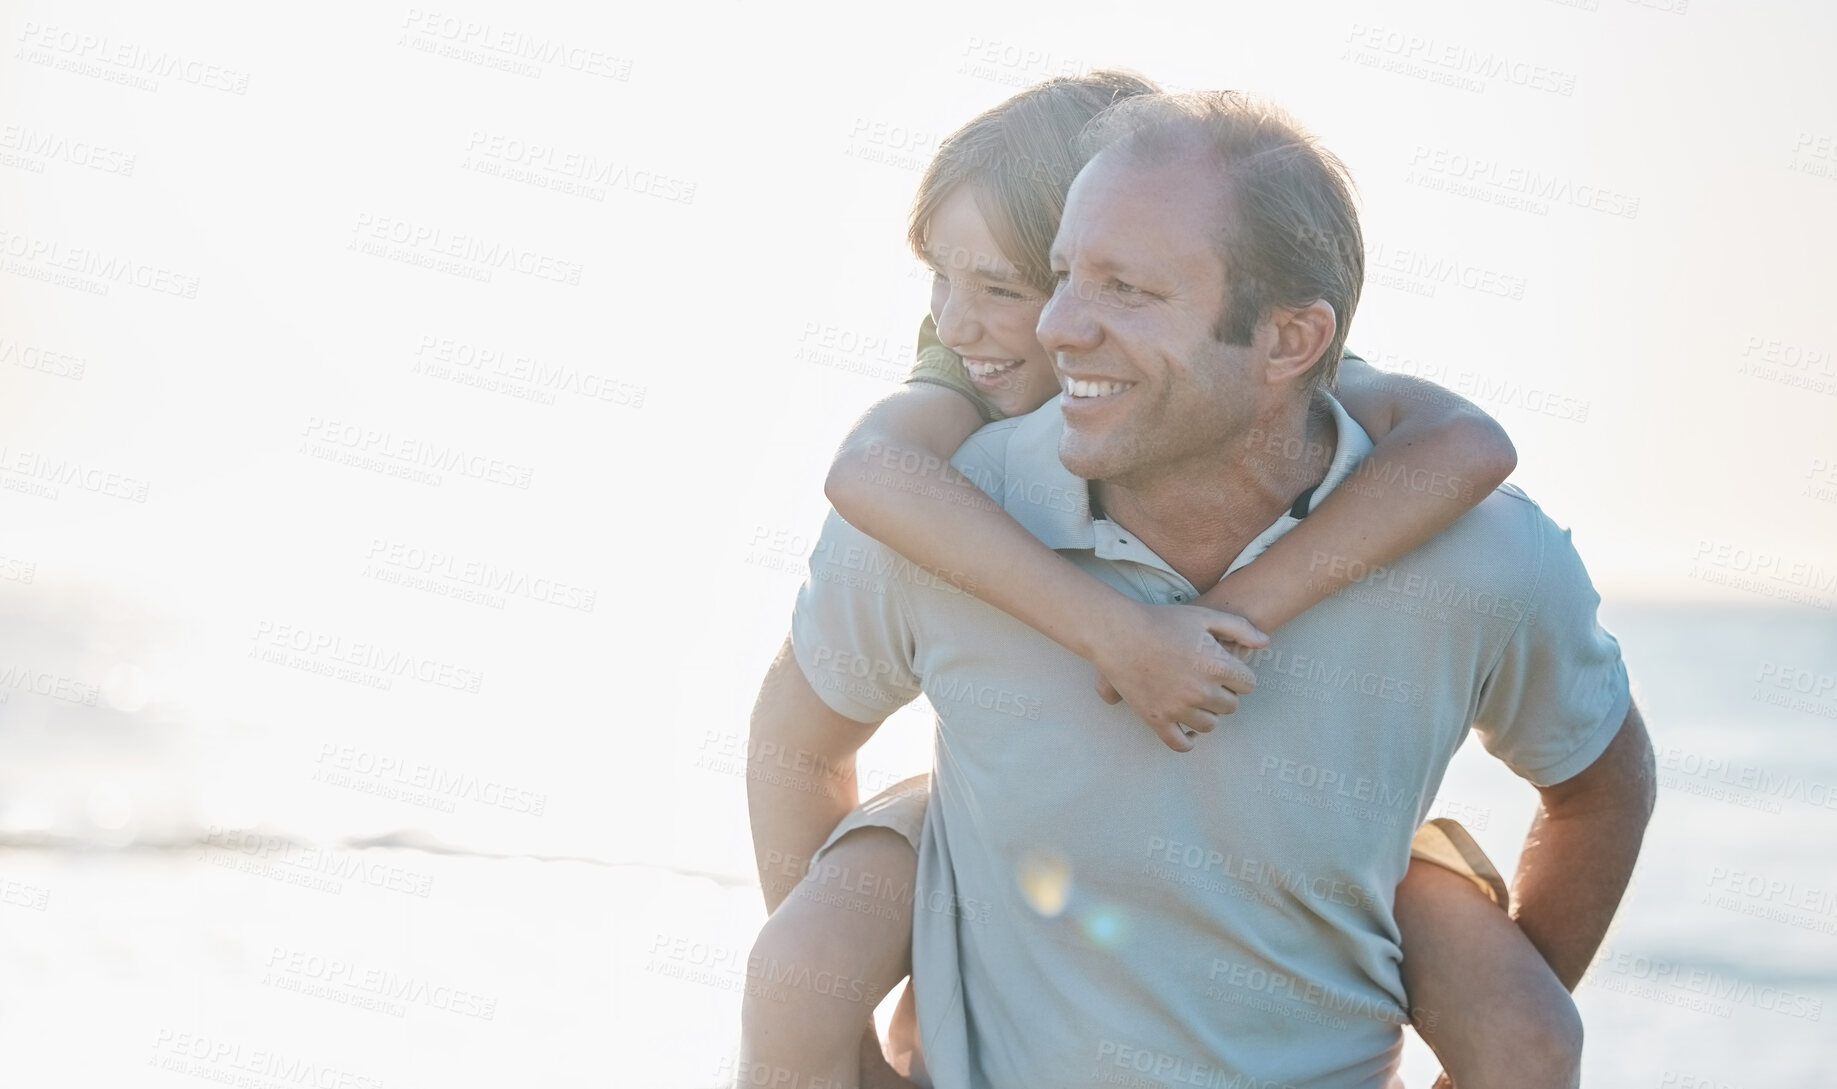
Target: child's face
[{"x": 985, "y": 311}]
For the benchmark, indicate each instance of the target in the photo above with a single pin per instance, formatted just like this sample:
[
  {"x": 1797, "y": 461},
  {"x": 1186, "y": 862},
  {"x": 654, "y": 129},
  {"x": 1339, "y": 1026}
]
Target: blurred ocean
[{"x": 146, "y": 939}]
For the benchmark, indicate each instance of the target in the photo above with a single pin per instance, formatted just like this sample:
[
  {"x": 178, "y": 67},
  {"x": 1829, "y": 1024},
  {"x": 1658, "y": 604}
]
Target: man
[{"x": 1092, "y": 908}]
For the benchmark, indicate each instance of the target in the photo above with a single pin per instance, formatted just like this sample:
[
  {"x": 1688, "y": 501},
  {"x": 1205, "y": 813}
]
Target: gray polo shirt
[{"x": 1096, "y": 909}]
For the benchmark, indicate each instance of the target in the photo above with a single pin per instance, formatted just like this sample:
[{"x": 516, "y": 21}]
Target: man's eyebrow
[{"x": 1096, "y": 263}]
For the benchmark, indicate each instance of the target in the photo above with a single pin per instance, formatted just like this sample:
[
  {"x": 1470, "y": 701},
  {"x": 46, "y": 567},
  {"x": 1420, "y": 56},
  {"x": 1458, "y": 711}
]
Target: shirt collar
[{"x": 1054, "y": 504}]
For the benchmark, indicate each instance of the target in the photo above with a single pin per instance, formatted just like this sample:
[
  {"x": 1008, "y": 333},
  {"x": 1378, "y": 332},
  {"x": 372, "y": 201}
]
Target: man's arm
[
  {"x": 800, "y": 774},
  {"x": 1580, "y": 851}
]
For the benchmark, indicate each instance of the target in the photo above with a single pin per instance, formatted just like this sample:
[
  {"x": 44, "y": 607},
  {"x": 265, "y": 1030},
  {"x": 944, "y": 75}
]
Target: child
[{"x": 985, "y": 215}]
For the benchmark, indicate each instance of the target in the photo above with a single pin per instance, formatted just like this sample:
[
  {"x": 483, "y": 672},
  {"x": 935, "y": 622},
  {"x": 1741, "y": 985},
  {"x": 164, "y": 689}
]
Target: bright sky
[{"x": 1609, "y": 223}]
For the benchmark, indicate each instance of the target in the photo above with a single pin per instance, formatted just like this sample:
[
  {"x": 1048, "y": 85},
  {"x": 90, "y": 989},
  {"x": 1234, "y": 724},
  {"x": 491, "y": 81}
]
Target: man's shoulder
[
  {"x": 1508, "y": 536},
  {"x": 984, "y": 457}
]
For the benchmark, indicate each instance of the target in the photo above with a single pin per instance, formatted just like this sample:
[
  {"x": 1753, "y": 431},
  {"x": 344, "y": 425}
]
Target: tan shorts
[{"x": 901, "y": 807}]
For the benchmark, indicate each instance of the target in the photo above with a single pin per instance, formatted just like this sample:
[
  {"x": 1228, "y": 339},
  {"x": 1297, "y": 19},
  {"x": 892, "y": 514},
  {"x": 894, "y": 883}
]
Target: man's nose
[{"x": 1067, "y": 323}]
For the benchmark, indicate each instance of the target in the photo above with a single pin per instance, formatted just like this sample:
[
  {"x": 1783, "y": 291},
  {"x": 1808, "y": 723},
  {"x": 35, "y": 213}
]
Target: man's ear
[{"x": 1300, "y": 335}]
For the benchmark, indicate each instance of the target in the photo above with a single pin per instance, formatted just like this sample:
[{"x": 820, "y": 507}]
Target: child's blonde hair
[{"x": 1019, "y": 158}]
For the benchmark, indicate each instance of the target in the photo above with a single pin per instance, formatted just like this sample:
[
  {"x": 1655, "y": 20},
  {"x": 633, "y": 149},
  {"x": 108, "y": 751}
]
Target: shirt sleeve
[
  {"x": 850, "y": 629},
  {"x": 940, "y": 366},
  {"x": 1558, "y": 693}
]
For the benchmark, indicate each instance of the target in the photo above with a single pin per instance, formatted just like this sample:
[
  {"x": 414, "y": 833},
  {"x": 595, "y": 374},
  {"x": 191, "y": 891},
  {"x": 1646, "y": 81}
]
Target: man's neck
[{"x": 1200, "y": 514}]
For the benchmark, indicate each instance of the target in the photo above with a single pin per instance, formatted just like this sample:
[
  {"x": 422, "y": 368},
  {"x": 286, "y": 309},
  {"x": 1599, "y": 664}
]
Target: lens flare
[{"x": 1046, "y": 881}]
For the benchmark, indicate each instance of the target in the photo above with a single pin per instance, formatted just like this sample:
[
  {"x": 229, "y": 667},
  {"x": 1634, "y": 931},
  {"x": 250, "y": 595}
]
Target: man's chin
[{"x": 1086, "y": 459}]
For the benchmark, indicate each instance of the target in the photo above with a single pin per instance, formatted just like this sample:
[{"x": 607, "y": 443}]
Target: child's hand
[{"x": 1176, "y": 668}]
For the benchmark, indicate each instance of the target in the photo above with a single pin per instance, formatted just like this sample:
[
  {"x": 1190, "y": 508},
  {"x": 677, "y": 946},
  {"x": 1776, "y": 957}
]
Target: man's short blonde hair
[{"x": 1288, "y": 228}]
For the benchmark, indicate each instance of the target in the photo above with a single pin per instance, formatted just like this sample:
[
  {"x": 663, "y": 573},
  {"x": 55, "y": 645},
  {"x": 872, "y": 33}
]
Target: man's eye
[
  {"x": 1125, "y": 289},
  {"x": 1002, "y": 292}
]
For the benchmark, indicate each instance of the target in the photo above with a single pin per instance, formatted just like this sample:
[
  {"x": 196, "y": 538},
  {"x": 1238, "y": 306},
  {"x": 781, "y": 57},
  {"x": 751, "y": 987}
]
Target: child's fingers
[
  {"x": 1227, "y": 670},
  {"x": 1107, "y": 692},
  {"x": 1175, "y": 736},
  {"x": 1231, "y": 628}
]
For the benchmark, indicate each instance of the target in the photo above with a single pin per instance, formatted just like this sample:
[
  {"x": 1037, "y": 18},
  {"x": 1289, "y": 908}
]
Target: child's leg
[
  {"x": 1482, "y": 996},
  {"x": 847, "y": 949}
]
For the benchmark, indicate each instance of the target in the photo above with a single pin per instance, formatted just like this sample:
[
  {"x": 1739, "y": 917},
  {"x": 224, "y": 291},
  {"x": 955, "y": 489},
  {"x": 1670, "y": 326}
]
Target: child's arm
[
  {"x": 892, "y": 480},
  {"x": 1435, "y": 457}
]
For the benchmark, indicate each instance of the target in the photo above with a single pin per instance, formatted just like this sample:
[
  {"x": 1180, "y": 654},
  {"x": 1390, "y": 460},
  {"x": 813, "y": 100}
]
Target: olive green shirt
[{"x": 940, "y": 366}]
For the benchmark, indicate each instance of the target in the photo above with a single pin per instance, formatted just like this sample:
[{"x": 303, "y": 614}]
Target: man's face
[{"x": 1141, "y": 286}]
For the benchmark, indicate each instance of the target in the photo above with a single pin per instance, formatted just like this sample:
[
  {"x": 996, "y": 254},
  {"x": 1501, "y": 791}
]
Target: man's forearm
[
  {"x": 800, "y": 778},
  {"x": 1579, "y": 854}
]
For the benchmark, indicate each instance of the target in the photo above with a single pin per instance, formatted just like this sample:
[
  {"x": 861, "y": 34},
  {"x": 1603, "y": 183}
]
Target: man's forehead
[{"x": 1121, "y": 197}]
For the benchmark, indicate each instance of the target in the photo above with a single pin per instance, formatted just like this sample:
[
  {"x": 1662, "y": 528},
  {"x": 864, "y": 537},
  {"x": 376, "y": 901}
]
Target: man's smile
[{"x": 1091, "y": 392}]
